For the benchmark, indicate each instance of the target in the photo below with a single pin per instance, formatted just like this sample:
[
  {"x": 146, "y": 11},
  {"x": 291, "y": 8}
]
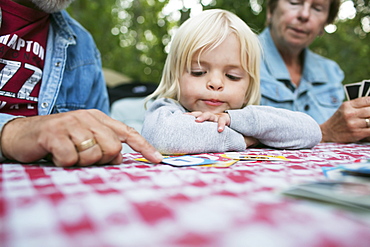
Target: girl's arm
[
  {"x": 276, "y": 127},
  {"x": 171, "y": 131}
]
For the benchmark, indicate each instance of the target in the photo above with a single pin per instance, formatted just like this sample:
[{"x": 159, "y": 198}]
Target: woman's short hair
[
  {"x": 204, "y": 32},
  {"x": 333, "y": 9}
]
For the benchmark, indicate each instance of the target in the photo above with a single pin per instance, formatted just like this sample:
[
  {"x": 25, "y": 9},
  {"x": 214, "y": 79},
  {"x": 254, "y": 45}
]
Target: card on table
[
  {"x": 225, "y": 160},
  {"x": 361, "y": 169},
  {"x": 189, "y": 160},
  {"x": 238, "y": 156},
  {"x": 227, "y": 163},
  {"x": 356, "y": 195}
]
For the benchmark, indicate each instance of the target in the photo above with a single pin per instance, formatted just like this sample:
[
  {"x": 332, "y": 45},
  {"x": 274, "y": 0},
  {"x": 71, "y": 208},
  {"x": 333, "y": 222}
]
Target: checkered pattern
[{"x": 139, "y": 204}]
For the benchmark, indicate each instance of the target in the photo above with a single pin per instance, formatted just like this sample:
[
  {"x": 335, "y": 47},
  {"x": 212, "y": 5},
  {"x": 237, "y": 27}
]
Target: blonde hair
[{"x": 205, "y": 32}]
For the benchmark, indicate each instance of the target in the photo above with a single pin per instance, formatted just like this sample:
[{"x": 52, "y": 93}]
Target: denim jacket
[
  {"x": 320, "y": 91},
  {"x": 72, "y": 77}
]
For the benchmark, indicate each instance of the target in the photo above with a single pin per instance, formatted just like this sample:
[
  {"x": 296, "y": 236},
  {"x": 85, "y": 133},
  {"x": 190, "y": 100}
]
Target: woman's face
[{"x": 296, "y": 23}]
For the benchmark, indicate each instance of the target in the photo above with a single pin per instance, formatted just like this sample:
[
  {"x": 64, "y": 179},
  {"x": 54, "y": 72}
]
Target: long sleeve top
[{"x": 171, "y": 131}]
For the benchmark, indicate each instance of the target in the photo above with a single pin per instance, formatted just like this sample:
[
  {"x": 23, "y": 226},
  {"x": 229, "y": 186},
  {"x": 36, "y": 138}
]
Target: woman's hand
[{"x": 348, "y": 123}]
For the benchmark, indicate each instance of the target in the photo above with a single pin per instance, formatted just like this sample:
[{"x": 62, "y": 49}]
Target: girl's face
[
  {"x": 217, "y": 82},
  {"x": 296, "y": 23}
]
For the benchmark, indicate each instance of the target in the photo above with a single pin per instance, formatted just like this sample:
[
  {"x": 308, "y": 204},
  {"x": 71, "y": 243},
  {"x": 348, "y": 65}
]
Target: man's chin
[{"x": 51, "y": 6}]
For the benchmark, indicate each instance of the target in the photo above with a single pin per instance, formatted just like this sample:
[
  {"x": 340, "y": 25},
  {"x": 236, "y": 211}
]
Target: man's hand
[
  {"x": 348, "y": 123},
  {"x": 33, "y": 138}
]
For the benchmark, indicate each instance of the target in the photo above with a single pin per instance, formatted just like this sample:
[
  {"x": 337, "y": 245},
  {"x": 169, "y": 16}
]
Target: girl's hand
[
  {"x": 250, "y": 141},
  {"x": 223, "y": 119}
]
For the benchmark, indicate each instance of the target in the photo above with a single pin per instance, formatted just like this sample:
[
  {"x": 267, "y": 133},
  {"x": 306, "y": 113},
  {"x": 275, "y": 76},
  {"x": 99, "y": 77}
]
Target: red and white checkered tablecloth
[{"x": 139, "y": 204}]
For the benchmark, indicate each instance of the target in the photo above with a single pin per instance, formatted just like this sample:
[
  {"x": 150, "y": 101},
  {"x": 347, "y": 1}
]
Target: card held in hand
[
  {"x": 353, "y": 90},
  {"x": 357, "y": 89}
]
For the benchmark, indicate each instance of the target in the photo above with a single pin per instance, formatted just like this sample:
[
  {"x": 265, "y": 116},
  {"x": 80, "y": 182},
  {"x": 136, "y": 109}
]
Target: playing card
[
  {"x": 359, "y": 170},
  {"x": 187, "y": 161},
  {"x": 366, "y": 88},
  {"x": 222, "y": 163},
  {"x": 353, "y": 90},
  {"x": 238, "y": 156},
  {"x": 350, "y": 194},
  {"x": 194, "y": 160}
]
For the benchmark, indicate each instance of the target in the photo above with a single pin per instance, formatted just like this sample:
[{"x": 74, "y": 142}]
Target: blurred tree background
[{"x": 133, "y": 36}]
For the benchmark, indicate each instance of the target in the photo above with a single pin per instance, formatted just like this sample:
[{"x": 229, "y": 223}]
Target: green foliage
[
  {"x": 349, "y": 50},
  {"x": 132, "y": 35},
  {"x": 349, "y": 46},
  {"x": 96, "y": 17},
  {"x": 141, "y": 32},
  {"x": 254, "y": 18}
]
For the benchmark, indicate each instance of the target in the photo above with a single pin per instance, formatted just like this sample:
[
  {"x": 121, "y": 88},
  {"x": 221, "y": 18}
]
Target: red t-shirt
[{"x": 23, "y": 37}]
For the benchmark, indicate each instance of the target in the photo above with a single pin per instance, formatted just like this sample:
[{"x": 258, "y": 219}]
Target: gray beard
[{"x": 51, "y": 6}]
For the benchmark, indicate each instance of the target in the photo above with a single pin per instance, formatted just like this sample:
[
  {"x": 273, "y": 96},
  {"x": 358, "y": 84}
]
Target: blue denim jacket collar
[
  {"x": 72, "y": 77},
  {"x": 320, "y": 91},
  {"x": 312, "y": 70}
]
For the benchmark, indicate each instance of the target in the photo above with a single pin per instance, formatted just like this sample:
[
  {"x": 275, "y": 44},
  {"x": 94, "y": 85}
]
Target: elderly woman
[{"x": 295, "y": 78}]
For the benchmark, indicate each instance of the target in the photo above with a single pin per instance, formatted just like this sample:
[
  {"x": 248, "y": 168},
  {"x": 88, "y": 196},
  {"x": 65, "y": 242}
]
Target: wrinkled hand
[
  {"x": 223, "y": 119},
  {"x": 33, "y": 138},
  {"x": 348, "y": 123}
]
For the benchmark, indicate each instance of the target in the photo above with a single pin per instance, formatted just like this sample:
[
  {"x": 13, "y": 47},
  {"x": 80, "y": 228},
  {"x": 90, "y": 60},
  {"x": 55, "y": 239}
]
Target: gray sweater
[{"x": 171, "y": 131}]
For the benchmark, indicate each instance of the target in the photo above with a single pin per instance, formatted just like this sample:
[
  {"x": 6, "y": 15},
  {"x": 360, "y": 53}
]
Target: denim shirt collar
[
  {"x": 60, "y": 37},
  {"x": 64, "y": 28},
  {"x": 312, "y": 71}
]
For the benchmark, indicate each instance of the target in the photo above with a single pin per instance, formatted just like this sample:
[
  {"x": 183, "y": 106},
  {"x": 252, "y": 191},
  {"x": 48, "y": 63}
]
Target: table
[{"x": 139, "y": 204}]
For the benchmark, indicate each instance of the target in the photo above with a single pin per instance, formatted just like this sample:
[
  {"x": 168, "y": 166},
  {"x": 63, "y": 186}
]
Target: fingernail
[{"x": 158, "y": 156}]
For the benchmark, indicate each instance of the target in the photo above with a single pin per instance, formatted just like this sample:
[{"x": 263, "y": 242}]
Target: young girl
[{"x": 208, "y": 95}]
